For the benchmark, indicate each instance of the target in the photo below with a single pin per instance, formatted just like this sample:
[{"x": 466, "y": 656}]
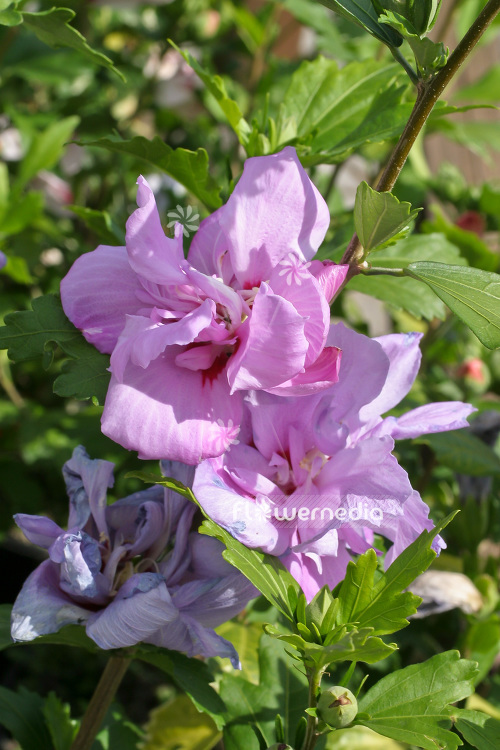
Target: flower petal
[
  {"x": 87, "y": 481},
  {"x": 187, "y": 635},
  {"x": 274, "y": 209},
  {"x": 98, "y": 291},
  {"x": 41, "y": 607},
  {"x": 329, "y": 276},
  {"x": 151, "y": 254},
  {"x": 143, "y": 341},
  {"x": 320, "y": 376},
  {"x": 440, "y": 416},
  {"x": 165, "y": 410},
  {"x": 38, "y": 529},
  {"x": 214, "y": 601},
  {"x": 272, "y": 347},
  {"x": 403, "y": 352},
  {"x": 141, "y": 607}
]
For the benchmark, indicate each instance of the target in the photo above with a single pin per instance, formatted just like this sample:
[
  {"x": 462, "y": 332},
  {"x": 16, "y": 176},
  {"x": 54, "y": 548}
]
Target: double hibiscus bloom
[{"x": 247, "y": 310}]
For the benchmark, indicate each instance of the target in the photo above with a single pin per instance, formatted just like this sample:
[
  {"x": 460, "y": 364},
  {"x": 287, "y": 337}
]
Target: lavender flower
[{"x": 131, "y": 571}]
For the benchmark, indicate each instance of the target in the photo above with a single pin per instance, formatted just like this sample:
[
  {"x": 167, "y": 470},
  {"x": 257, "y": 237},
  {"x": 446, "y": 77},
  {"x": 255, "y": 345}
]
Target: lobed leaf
[{"x": 378, "y": 217}]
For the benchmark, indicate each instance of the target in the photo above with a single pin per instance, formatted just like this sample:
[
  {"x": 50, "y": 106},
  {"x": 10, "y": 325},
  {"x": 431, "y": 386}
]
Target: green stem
[
  {"x": 401, "y": 59},
  {"x": 100, "y": 702},
  {"x": 428, "y": 92},
  {"x": 314, "y": 683}
]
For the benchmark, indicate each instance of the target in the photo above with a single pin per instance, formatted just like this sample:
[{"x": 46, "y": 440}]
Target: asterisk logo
[{"x": 187, "y": 217}]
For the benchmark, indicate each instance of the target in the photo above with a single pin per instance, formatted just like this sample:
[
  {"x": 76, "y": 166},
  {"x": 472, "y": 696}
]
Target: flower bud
[
  {"x": 337, "y": 707},
  {"x": 421, "y": 14}
]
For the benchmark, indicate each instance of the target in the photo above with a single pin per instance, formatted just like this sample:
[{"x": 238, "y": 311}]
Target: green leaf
[
  {"x": 473, "y": 295},
  {"x": 485, "y": 89},
  {"x": 5, "y": 639},
  {"x": 10, "y": 17},
  {"x": 383, "y": 604},
  {"x": 58, "y": 719},
  {"x": 430, "y": 56},
  {"x": 22, "y": 714},
  {"x": 191, "y": 675},
  {"x": 355, "y": 645},
  {"x": 478, "y": 729},
  {"x": 190, "y": 168},
  {"x": 413, "y": 704},
  {"x": 404, "y": 293},
  {"x": 19, "y": 213},
  {"x": 378, "y": 217},
  {"x": 266, "y": 572},
  {"x": 31, "y": 334},
  {"x": 328, "y": 112},
  {"x": 245, "y": 637},
  {"x": 45, "y": 149},
  {"x": 52, "y": 27},
  {"x": 101, "y": 223},
  {"x": 179, "y": 726},
  {"x": 281, "y": 690},
  {"x": 463, "y": 452},
  {"x": 217, "y": 88},
  {"x": 363, "y": 13},
  {"x": 482, "y": 644}
]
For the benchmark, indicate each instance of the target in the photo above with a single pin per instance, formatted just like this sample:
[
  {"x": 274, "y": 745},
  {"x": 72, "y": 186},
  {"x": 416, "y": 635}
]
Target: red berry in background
[{"x": 472, "y": 221}]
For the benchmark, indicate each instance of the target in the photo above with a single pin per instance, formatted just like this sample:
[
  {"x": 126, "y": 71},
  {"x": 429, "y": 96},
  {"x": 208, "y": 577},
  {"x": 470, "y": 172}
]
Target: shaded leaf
[
  {"x": 52, "y": 27},
  {"x": 179, "y": 726},
  {"x": 22, "y": 714},
  {"x": 473, "y": 295},
  {"x": 190, "y": 168},
  {"x": 478, "y": 729},
  {"x": 58, "y": 719},
  {"x": 45, "y": 149},
  {"x": 463, "y": 452},
  {"x": 363, "y": 13},
  {"x": 101, "y": 223}
]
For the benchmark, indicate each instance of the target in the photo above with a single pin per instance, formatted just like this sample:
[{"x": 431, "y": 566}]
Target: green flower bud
[{"x": 337, "y": 707}]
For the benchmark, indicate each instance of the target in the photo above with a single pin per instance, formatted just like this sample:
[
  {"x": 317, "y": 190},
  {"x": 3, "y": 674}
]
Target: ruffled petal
[
  {"x": 214, "y": 601},
  {"x": 272, "y": 347},
  {"x": 151, "y": 254},
  {"x": 42, "y": 607},
  {"x": 38, "y": 529},
  {"x": 165, "y": 410},
  {"x": 329, "y": 276},
  {"x": 292, "y": 281},
  {"x": 87, "y": 481},
  {"x": 403, "y": 352},
  {"x": 98, "y": 291},
  {"x": 320, "y": 376},
  {"x": 141, "y": 607},
  {"x": 187, "y": 635},
  {"x": 437, "y": 417},
  {"x": 142, "y": 340},
  {"x": 408, "y": 528},
  {"x": 208, "y": 247},
  {"x": 274, "y": 209},
  {"x": 243, "y": 517}
]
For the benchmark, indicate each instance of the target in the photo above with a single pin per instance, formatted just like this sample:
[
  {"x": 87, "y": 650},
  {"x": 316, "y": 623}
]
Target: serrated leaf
[
  {"x": 356, "y": 645},
  {"x": 29, "y": 334},
  {"x": 101, "y": 223},
  {"x": 429, "y": 56},
  {"x": 473, "y": 295},
  {"x": 383, "y": 604},
  {"x": 179, "y": 726},
  {"x": 333, "y": 111},
  {"x": 405, "y": 293},
  {"x": 60, "y": 725},
  {"x": 378, "y": 217},
  {"x": 266, "y": 572},
  {"x": 52, "y": 27},
  {"x": 22, "y": 714},
  {"x": 217, "y": 88},
  {"x": 190, "y": 168},
  {"x": 478, "y": 729},
  {"x": 413, "y": 704},
  {"x": 363, "y": 13},
  {"x": 191, "y": 675}
]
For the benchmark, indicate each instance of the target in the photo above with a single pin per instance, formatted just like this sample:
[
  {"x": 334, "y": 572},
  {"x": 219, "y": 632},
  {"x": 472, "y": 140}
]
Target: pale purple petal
[
  {"x": 183, "y": 473},
  {"x": 87, "y": 481},
  {"x": 320, "y": 376},
  {"x": 141, "y": 607},
  {"x": 242, "y": 517},
  {"x": 292, "y": 281},
  {"x": 187, "y": 635},
  {"x": 435, "y": 417},
  {"x": 206, "y": 557},
  {"x": 214, "y": 601},
  {"x": 142, "y": 340},
  {"x": 403, "y": 352},
  {"x": 272, "y": 347},
  {"x": 208, "y": 247},
  {"x": 274, "y": 210},
  {"x": 38, "y": 529},
  {"x": 329, "y": 276},
  {"x": 98, "y": 291},
  {"x": 41, "y": 607},
  {"x": 403, "y": 532},
  {"x": 3, "y": 259},
  {"x": 151, "y": 254},
  {"x": 218, "y": 292},
  {"x": 363, "y": 373},
  {"x": 164, "y": 410}
]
